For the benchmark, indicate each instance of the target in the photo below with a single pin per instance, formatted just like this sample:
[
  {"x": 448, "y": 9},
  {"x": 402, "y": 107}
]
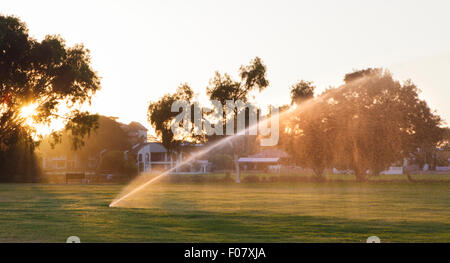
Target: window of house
[
  {"x": 92, "y": 163},
  {"x": 60, "y": 164},
  {"x": 70, "y": 164}
]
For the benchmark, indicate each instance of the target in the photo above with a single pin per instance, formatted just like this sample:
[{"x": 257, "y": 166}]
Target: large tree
[
  {"x": 365, "y": 125},
  {"x": 307, "y": 133},
  {"x": 48, "y": 74},
  {"x": 160, "y": 116},
  {"x": 445, "y": 142},
  {"x": 381, "y": 122},
  {"x": 223, "y": 88}
]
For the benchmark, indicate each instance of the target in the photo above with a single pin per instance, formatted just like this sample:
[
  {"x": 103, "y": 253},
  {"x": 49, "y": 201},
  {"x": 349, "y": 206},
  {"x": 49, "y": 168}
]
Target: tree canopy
[
  {"x": 253, "y": 77},
  {"x": 365, "y": 125},
  {"x": 160, "y": 116},
  {"x": 46, "y": 73},
  {"x": 221, "y": 88},
  {"x": 306, "y": 135},
  {"x": 108, "y": 136},
  {"x": 301, "y": 91}
]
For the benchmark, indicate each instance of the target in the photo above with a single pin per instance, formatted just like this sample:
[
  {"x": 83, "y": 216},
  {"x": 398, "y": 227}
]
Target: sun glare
[{"x": 28, "y": 111}]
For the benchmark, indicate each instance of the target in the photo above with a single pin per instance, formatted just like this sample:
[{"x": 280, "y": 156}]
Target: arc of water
[{"x": 205, "y": 151}]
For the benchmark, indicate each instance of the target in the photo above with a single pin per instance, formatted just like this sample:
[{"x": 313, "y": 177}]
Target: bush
[
  {"x": 115, "y": 161},
  {"x": 221, "y": 162},
  {"x": 227, "y": 178},
  {"x": 251, "y": 179}
]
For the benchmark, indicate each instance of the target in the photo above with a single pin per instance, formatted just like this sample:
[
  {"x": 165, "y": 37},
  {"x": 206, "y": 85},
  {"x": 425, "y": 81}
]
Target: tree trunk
[
  {"x": 360, "y": 177},
  {"x": 318, "y": 174}
]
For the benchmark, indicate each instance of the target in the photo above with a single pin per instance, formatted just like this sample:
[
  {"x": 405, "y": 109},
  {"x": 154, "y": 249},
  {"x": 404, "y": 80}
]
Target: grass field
[{"x": 212, "y": 212}]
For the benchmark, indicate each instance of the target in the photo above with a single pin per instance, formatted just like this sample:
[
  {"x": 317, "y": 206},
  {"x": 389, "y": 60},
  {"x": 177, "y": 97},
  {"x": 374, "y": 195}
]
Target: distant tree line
[{"x": 364, "y": 125}]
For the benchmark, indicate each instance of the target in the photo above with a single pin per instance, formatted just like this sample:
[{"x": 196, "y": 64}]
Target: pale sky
[{"x": 144, "y": 49}]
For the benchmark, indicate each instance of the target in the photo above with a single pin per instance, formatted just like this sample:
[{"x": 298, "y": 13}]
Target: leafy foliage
[
  {"x": 302, "y": 91},
  {"x": 46, "y": 73},
  {"x": 160, "y": 116},
  {"x": 366, "y": 124},
  {"x": 115, "y": 161},
  {"x": 253, "y": 77},
  {"x": 221, "y": 162},
  {"x": 108, "y": 136}
]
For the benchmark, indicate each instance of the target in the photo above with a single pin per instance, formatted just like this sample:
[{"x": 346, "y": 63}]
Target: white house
[
  {"x": 154, "y": 157},
  {"x": 61, "y": 162},
  {"x": 151, "y": 156}
]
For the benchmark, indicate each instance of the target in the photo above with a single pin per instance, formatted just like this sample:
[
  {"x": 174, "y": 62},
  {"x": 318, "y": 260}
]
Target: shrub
[
  {"x": 251, "y": 179},
  {"x": 115, "y": 161},
  {"x": 221, "y": 162}
]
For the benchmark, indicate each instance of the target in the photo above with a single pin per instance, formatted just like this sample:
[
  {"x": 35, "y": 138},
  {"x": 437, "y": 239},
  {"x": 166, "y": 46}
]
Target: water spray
[{"x": 208, "y": 149}]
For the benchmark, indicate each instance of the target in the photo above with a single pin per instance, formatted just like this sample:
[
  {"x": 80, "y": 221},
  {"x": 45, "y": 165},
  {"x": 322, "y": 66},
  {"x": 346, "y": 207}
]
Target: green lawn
[{"x": 214, "y": 212}]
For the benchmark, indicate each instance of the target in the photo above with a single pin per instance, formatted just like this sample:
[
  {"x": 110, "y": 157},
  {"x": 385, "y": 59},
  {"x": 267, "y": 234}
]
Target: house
[
  {"x": 61, "y": 162},
  {"x": 151, "y": 156},
  {"x": 69, "y": 163},
  {"x": 154, "y": 157},
  {"x": 63, "y": 159}
]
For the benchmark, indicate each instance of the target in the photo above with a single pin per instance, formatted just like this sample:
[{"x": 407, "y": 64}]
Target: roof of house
[
  {"x": 155, "y": 147},
  {"x": 136, "y": 126}
]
